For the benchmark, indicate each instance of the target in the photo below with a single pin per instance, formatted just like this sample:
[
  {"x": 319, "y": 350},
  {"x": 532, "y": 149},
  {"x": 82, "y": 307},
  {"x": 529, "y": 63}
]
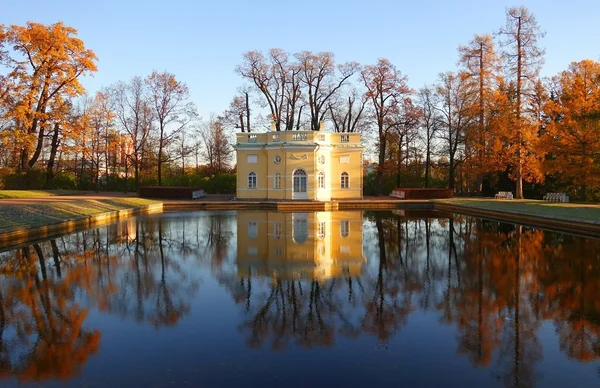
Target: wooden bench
[
  {"x": 504, "y": 195},
  {"x": 556, "y": 197}
]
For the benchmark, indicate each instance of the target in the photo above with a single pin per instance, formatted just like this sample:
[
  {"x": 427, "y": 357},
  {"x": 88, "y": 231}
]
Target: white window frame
[
  {"x": 252, "y": 180},
  {"x": 321, "y": 180},
  {"x": 344, "y": 180},
  {"x": 277, "y": 181}
]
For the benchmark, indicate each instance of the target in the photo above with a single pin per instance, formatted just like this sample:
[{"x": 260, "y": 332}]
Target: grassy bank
[
  {"x": 566, "y": 211},
  {"x": 37, "y": 193},
  {"x": 29, "y": 216}
]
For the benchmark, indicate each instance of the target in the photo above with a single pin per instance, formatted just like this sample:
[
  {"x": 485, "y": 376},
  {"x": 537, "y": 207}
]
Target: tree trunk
[
  {"x": 160, "y": 153},
  {"x": 399, "y": 162},
  {"x": 247, "y": 112},
  {"x": 382, "y": 144},
  {"x": 519, "y": 175},
  {"x": 53, "y": 149},
  {"x": 427, "y": 163}
]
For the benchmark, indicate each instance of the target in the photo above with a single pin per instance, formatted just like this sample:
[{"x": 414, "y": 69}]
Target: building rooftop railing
[{"x": 305, "y": 137}]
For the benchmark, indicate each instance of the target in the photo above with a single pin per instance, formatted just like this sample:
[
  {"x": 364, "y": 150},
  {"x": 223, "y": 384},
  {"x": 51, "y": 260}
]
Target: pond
[{"x": 413, "y": 298}]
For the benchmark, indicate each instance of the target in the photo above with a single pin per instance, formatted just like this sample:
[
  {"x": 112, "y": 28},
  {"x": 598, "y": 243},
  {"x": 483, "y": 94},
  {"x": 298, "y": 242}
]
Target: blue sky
[{"x": 201, "y": 42}]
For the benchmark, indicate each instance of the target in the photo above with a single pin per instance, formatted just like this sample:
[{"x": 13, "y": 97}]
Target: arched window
[
  {"x": 344, "y": 228},
  {"x": 252, "y": 180},
  {"x": 277, "y": 181},
  {"x": 321, "y": 180},
  {"x": 345, "y": 180},
  {"x": 300, "y": 231},
  {"x": 300, "y": 181}
]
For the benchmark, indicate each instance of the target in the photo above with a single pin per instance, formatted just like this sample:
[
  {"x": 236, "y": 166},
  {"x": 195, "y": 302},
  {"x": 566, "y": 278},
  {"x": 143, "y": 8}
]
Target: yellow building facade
[
  {"x": 312, "y": 245},
  {"x": 299, "y": 165}
]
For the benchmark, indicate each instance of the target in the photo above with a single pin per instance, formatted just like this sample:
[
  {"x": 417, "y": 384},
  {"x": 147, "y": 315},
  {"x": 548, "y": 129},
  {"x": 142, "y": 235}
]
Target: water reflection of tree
[
  {"x": 152, "y": 286},
  {"x": 46, "y": 290},
  {"x": 44, "y": 323},
  {"x": 571, "y": 286}
]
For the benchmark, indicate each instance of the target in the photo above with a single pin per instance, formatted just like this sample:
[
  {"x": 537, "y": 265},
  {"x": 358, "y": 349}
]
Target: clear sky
[{"x": 201, "y": 42}]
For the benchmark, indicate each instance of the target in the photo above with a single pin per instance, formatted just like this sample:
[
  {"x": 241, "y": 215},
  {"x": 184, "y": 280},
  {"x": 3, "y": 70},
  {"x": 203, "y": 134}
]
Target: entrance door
[{"x": 300, "y": 184}]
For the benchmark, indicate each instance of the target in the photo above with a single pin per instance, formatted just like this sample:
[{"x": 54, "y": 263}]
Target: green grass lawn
[
  {"x": 28, "y": 216},
  {"x": 37, "y": 193},
  {"x": 571, "y": 211}
]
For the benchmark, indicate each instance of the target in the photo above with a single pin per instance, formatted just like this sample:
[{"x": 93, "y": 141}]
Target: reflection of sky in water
[{"x": 413, "y": 321}]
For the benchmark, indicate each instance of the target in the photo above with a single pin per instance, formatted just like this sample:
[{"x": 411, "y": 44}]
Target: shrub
[{"x": 64, "y": 181}]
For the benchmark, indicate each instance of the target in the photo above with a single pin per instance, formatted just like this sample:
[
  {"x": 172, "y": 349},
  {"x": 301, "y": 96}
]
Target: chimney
[{"x": 322, "y": 125}]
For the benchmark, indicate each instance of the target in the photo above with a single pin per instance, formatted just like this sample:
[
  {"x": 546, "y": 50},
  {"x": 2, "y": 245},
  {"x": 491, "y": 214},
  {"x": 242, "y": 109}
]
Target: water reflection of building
[{"x": 315, "y": 245}]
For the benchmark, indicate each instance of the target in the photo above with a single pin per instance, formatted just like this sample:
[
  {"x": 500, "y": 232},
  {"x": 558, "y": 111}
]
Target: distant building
[
  {"x": 313, "y": 245},
  {"x": 310, "y": 165}
]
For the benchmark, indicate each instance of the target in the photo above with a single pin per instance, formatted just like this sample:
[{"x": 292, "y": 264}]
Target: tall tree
[
  {"x": 318, "y": 74},
  {"x": 277, "y": 79},
  {"x": 455, "y": 112},
  {"x": 171, "y": 105},
  {"x": 429, "y": 125},
  {"x": 523, "y": 59},
  {"x": 348, "y": 112},
  {"x": 134, "y": 114},
  {"x": 47, "y": 61},
  {"x": 217, "y": 150},
  {"x": 386, "y": 88},
  {"x": 481, "y": 66}
]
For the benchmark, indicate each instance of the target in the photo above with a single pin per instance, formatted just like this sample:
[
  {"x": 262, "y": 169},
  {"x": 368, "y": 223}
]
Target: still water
[{"x": 302, "y": 299}]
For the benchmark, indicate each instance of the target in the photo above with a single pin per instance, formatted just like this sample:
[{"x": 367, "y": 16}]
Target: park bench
[
  {"x": 503, "y": 195},
  {"x": 556, "y": 197},
  {"x": 198, "y": 194}
]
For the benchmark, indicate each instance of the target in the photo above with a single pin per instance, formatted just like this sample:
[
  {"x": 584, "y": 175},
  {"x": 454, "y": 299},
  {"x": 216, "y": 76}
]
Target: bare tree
[
  {"x": 238, "y": 114},
  {"x": 319, "y": 76},
  {"x": 349, "y": 112},
  {"x": 429, "y": 125},
  {"x": 171, "y": 105},
  {"x": 386, "y": 88},
  {"x": 454, "y": 108},
  {"x": 277, "y": 80},
  {"x": 134, "y": 114},
  {"x": 217, "y": 151}
]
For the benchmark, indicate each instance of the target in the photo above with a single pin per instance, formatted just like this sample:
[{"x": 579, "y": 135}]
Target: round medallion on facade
[
  {"x": 277, "y": 159},
  {"x": 321, "y": 159}
]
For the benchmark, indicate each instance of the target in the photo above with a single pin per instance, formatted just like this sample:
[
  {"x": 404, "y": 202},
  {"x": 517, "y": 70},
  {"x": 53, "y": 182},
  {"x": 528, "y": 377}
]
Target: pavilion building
[{"x": 299, "y": 165}]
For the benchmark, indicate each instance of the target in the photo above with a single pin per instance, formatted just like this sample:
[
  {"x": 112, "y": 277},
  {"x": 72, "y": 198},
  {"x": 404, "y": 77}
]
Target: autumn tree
[
  {"x": 47, "y": 62},
  {"x": 171, "y": 107},
  {"x": 573, "y": 130},
  {"x": 386, "y": 89},
  {"x": 523, "y": 58},
  {"x": 481, "y": 67}
]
